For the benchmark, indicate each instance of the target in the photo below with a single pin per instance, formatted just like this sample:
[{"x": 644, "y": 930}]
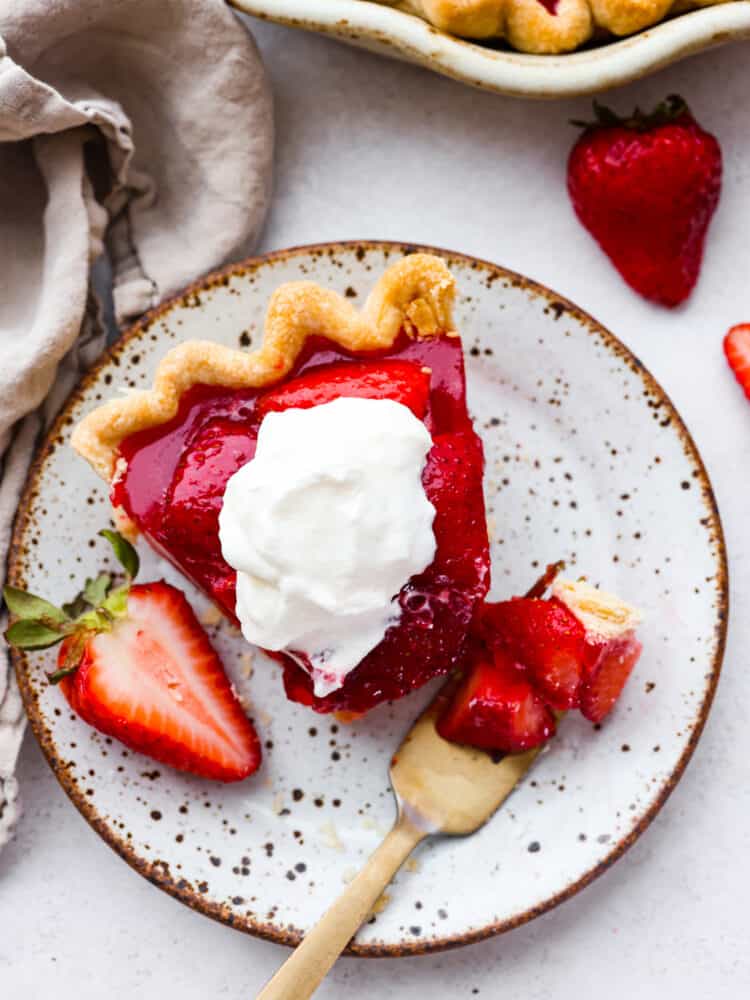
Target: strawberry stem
[
  {"x": 671, "y": 109},
  {"x": 546, "y": 579},
  {"x": 56, "y": 676}
]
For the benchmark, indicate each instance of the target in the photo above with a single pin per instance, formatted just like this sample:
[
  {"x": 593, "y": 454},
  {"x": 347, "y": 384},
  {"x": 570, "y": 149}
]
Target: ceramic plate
[
  {"x": 587, "y": 461},
  {"x": 394, "y": 33}
]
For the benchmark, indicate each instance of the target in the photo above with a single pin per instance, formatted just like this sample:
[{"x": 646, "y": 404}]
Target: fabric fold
[{"x": 146, "y": 127}]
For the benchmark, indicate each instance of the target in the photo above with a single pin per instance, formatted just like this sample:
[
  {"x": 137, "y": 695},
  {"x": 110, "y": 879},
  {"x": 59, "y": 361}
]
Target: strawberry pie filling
[
  {"x": 172, "y": 480},
  {"x": 324, "y": 526}
]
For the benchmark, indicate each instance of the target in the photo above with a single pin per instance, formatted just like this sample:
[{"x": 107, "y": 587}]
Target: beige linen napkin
[{"x": 145, "y": 125}]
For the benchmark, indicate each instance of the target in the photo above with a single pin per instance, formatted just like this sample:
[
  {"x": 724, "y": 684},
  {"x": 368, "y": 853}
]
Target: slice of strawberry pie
[{"x": 325, "y": 491}]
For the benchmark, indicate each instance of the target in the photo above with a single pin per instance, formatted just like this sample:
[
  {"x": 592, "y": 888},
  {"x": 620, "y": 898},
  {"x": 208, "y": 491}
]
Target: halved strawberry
[
  {"x": 546, "y": 638},
  {"x": 737, "y": 350},
  {"x": 402, "y": 381},
  {"x": 495, "y": 708},
  {"x": 136, "y": 664},
  {"x": 610, "y": 663}
]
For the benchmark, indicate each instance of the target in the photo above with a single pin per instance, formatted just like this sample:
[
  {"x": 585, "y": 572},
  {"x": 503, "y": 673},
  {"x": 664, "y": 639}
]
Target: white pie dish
[{"x": 394, "y": 33}]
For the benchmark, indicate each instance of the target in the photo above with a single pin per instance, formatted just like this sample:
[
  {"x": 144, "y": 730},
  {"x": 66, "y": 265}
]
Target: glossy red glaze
[
  {"x": 608, "y": 664},
  {"x": 403, "y": 381},
  {"x": 546, "y": 637},
  {"x": 174, "y": 480},
  {"x": 495, "y": 707}
]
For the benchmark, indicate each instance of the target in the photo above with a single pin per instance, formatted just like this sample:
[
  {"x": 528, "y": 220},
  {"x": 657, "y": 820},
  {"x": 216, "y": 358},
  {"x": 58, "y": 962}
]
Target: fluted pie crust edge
[
  {"x": 415, "y": 294},
  {"x": 550, "y": 27}
]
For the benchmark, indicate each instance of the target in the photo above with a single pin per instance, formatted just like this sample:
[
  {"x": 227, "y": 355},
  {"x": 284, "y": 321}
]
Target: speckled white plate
[
  {"x": 394, "y": 33},
  {"x": 586, "y": 460}
]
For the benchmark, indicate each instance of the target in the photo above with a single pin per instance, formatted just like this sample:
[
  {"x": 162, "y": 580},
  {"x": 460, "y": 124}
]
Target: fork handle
[{"x": 307, "y": 967}]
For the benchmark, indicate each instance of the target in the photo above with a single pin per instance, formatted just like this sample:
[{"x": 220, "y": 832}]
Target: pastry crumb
[
  {"x": 412, "y": 865},
  {"x": 247, "y": 705},
  {"x": 491, "y": 527},
  {"x": 347, "y": 717},
  {"x": 121, "y": 467},
  {"x": 329, "y": 837},
  {"x": 368, "y": 823},
  {"x": 210, "y": 616},
  {"x": 278, "y": 803},
  {"x": 247, "y": 665},
  {"x": 380, "y": 904}
]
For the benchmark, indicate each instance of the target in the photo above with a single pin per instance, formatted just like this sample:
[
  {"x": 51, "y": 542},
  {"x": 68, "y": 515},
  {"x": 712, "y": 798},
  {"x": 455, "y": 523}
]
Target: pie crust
[
  {"x": 604, "y": 616},
  {"x": 415, "y": 294},
  {"x": 545, "y": 26}
]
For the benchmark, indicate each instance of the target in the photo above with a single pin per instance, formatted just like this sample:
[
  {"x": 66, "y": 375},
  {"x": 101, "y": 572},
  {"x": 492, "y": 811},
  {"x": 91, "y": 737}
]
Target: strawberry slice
[
  {"x": 402, "y": 381},
  {"x": 155, "y": 683},
  {"x": 136, "y": 664},
  {"x": 496, "y": 708},
  {"x": 547, "y": 638},
  {"x": 737, "y": 350},
  {"x": 610, "y": 664}
]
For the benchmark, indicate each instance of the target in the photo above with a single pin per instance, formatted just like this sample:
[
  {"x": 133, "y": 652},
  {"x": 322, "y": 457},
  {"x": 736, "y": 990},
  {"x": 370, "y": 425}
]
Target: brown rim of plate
[{"x": 182, "y": 890}]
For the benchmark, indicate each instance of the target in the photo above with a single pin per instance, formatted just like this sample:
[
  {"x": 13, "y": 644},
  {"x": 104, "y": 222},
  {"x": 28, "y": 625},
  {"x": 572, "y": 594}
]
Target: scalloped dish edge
[{"x": 393, "y": 33}]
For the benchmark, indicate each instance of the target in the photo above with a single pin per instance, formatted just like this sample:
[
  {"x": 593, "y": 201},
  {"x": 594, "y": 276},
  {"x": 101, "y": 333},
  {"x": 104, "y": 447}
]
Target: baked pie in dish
[
  {"x": 546, "y": 26},
  {"x": 350, "y": 491}
]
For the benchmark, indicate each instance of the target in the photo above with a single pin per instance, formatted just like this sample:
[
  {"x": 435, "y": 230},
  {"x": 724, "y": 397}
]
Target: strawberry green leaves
[
  {"x": 29, "y": 634},
  {"x": 40, "y": 624},
  {"x": 124, "y": 552},
  {"x": 25, "y": 605},
  {"x": 669, "y": 110},
  {"x": 95, "y": 591}
]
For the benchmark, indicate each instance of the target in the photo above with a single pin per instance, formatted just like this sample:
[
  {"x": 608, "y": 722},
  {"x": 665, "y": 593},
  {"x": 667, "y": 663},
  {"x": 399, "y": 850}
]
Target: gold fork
[{"x": 440, "y": 788}]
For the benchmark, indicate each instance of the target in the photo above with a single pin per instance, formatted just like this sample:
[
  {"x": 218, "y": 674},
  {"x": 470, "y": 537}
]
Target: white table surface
[{"x": 373, "y": 149}]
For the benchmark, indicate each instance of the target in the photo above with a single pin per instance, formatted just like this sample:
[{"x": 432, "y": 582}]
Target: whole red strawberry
[{"x": 646, "y": 188}]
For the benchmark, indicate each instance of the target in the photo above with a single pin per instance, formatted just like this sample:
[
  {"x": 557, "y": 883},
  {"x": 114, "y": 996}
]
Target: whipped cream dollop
[{"x": 325, "y": 526}]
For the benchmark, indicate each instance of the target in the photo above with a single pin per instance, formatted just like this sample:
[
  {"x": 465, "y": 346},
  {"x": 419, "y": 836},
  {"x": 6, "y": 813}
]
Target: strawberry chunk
[
  {"x": 155, "y": 683},
  {"x": 608, "y": 668},
  {"x": 547, "y": 638},
  {"x": 737, "y": 350},
  {"x": 402, "y": 381},
  {"x": 496, "y": 708}
]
